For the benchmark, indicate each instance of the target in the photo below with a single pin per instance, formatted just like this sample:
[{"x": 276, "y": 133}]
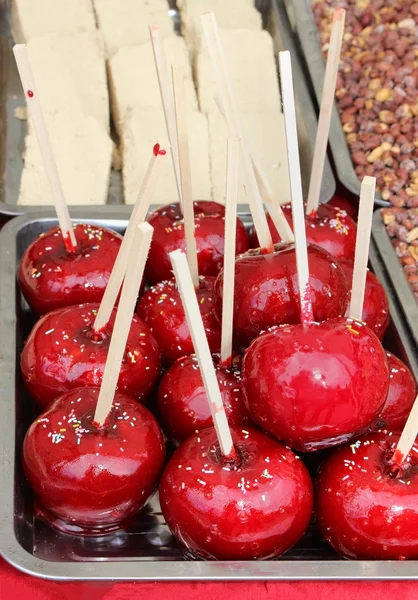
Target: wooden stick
[
  {"x": 271, "y": 202},
  {"x": 364, "y": 228},
  {"x": 408, "y": 436},
  {"x": 223, "y": 79},
  {"x": 137, "y": 259},
  {"x": 325, "y": 113},
  {"x": 185, "y": 172},
  {"x": 167, "y": 98},
  {"x": 201, "y": 347},
  {"x": 289, "y": 112},
  {"x": 35, "y": 110},
  {"x": 232, "y": 172},
  {"x": 138, "y": 216}
]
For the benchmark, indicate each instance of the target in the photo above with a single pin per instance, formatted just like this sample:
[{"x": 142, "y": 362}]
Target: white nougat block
[
  {"x": 141, "y": 130},
  {"x": 252, "y": 68},
  {"x": 30, "y": 18},
  {"x": 83, "y": 153},
  {"x": 137, "y": 63},
  {"x": 265, "y": 135},
  {"x": 126, "y": 22},
  {"x": 70, "y": 74}
]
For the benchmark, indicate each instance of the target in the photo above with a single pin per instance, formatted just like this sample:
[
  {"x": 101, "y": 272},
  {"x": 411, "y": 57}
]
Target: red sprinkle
[
  {"x": 30, "y": 93},
  {"x": 157, "y": 150}
]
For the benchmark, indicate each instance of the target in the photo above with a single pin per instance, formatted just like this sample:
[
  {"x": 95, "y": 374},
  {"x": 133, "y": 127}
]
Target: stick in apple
[
  {"x": 408, "y": 436},
  {"x": 298, "y": 214},
  {"x": 232, "y": 171},
  {"x": 361, "y": 258},
  {"x": 134, "y": 273},
  {"x": 325, "y": 113},
  {"x": 185, "y": 171},
  {"x": 137, "y": 216},
  {"x": 201, "y": 347},
  {"x": 273, "y": 206},
  {"x": 223, "y": 80},
  {"x": 167, "y": 98},
  {"x": 35, "y": 111}
]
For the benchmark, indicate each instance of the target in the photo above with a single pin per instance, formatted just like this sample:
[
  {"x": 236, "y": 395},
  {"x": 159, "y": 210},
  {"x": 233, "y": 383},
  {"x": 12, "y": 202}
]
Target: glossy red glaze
[
  {"x": 51, "y": 278},
  {"x": 92, "y": 479},
  {"x": 258, "y": 507},
  {"x": 161, "y": 308},
  {"x": 317, "y": 386},
  {"x": 183, "y": 406},
  {"x": 401, "y": 394},
  {"x": 331, "y": 228},
  {"x": 362, "y": 511},
  {"x": 168, "y": 235},
  {"x": 61, "y": 354},
  {"x": 267, "y": 291},
  {"x": 342, "y": 202},
  {"x": 376, "y": 304}
]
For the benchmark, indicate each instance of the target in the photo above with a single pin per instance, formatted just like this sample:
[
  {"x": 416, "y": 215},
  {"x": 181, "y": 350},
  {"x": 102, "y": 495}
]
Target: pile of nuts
[
  {"x": 377, "y": 90},
  {"x": 402, "y": 227}
]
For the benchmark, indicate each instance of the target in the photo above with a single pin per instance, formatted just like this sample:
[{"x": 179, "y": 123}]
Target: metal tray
[
  {"x": 12, "y": 131},
  {"x": 145, "y": 551},
  {"x": 395, "y": 272},
  {"x": 303, "y": 24}
]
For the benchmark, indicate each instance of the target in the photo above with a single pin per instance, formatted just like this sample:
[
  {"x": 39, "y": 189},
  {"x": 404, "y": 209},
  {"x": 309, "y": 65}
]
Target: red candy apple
[
  {"x": 161, "y": 308},
  {"x": 62, "y": 353},
  {"x": 376, "y": 304},
  {"x": 182, "y": 403},
  {"x": 364, "y": 508},
  {"x": 257, "y": 506},
  {"x": 51, "y": 278},
  {"x": 90, "y": 479},
  {"x": 267, "y": 292},
  {"x": 316, "y": 386},
  {"x": 401, "y": 394},
  {"x": 169, "y": 235},
  {"x": 330, "y": 228}
]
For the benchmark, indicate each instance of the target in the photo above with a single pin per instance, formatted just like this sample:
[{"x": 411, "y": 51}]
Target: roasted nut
[
  {"x": 383, "y": 95},
  {"x": 386, "y": 116},
  {"x": 375, "y": 154}
]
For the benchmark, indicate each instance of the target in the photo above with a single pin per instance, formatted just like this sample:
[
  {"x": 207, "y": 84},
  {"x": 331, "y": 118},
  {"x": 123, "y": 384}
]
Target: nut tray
[
  {"x": 146, "y": 550},
  {"x": 12, "y": 131},
  {"x": 303, "y": 23}
]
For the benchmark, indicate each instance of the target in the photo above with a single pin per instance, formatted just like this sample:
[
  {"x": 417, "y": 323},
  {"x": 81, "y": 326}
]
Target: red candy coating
[
  {"x": 376, "y": 304},
  {"x": 89, "y": 478},
  {"x": 362, "y": 511},
  {"x": 317, "y": 386},
  {"x": 169, "y": 235},
  {"x": 182, "y": 403},
  {"x": 267, "y": 292},
  {"x": 51, "y": 278},
  {"x": 258, "y": 507},
  {"x": 401, "y": 394},
  {"x": 161, "y": 308},
  {"x": 61, "y": 354}
]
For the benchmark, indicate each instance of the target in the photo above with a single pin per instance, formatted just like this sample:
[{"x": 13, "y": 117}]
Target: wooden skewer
[
  {"x": 35, "y": 111},
  {"x": 271, "y": 202},
  {"x": 137, "y": 259},
  {"x": 138, "y": 216},
  {"x": 364, "y": 228},
  {"x": 232, "y": 171},
  {"x": 201, "y": 347},
  {"x": 325, "y": 113},
  {"x": 185, "y": 171},
  {"x": 217, "y": 57},
  {"x": 408, "y": 436},
  {"x": 167, "y": 98},
  {"x": 289, "y": 111}
]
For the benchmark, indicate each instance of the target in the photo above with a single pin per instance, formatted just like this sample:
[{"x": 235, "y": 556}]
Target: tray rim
[
  {"x": 299, "y": 11},
  {"x": 139, "y": 570}
]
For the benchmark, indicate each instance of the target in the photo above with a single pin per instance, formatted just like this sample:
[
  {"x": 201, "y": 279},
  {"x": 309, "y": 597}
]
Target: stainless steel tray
[
  {"x": 12, "y": 131},
  {"x": 395, "y": 273},
  {"x": 146, "y": 551},
  {"x": 303, "y": 24}
]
